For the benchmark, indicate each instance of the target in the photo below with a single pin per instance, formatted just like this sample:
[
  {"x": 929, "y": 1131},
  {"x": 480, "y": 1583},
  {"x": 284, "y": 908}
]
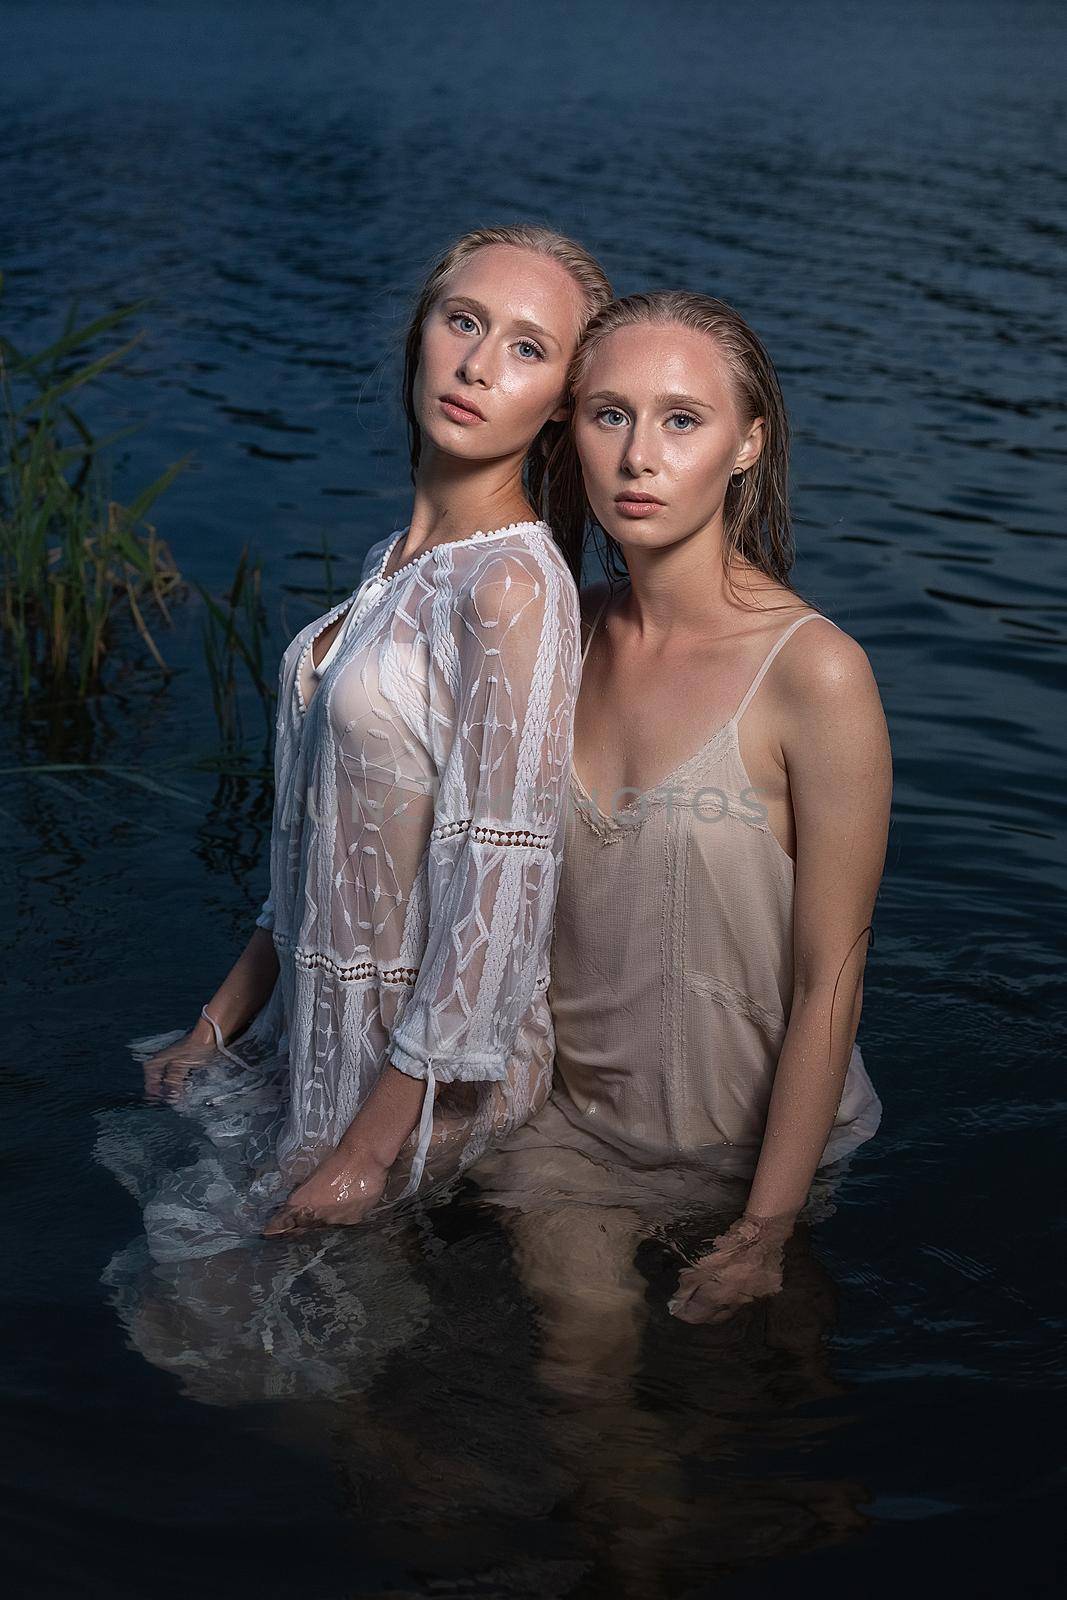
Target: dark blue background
[{"x": 880, "y": 189}]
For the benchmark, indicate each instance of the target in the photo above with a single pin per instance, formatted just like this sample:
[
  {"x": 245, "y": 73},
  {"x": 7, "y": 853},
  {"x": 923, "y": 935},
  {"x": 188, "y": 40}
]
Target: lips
[
  {"x": 466, "y": 408},
  {"x": 636, "y": 506}
]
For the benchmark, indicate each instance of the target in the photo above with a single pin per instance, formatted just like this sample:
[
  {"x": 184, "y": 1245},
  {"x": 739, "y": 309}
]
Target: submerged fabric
[
  {"x": 672, "y": 983},
  {"x": 420, "y": 805}
]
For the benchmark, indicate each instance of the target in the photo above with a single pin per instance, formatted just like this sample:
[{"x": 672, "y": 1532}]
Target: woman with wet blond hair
[
  {"x": 387, "y": 1019},
  {"x": 730, "y": 795}
]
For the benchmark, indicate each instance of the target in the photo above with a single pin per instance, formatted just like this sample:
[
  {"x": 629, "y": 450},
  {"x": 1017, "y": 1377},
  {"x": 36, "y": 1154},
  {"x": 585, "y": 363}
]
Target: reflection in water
[
  {"x": 656, "y": 1492},
  {"x": 608, "y": 1430},
  {"x": 238, "y": 1317},
  {"x": 266, "y": 1322},
  {"x": 646, "y": 1415},
  {"x": 614, "y": 1442}
]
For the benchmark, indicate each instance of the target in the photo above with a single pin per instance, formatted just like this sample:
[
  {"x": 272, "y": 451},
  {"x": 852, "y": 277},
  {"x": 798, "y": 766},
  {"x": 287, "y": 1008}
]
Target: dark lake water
[{"x": 881, "y": 190}]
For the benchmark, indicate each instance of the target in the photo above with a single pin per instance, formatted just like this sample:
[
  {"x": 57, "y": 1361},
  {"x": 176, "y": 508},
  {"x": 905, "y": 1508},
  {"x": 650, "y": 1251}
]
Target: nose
[
  {"x": 640, "y": 456},
  {"x": 477, "y": 364}
]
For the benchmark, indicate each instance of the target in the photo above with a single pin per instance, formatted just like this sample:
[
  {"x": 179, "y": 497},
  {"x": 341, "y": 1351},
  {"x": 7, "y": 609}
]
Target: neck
[
  {"x": 680, "y": 590},
  {"x": 455, "y": 498}
]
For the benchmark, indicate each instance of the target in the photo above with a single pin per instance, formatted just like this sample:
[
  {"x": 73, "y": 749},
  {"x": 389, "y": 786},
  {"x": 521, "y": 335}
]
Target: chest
[
  {"x": 371, "y": 700},
  {"x": 640, "y": 718}
]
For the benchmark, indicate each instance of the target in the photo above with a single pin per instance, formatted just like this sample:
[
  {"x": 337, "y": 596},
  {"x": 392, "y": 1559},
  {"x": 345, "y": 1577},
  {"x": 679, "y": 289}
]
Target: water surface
[{"x": 882, "y": 192}]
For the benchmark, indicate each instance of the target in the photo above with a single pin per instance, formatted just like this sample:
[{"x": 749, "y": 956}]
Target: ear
[
  {"x": 560, "y": 414},
  {"x": 751, "y": 447}
]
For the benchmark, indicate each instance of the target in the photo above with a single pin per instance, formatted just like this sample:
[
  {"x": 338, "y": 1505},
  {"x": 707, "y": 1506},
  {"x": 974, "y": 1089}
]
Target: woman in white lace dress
[{"x": 388, "y": 1018}]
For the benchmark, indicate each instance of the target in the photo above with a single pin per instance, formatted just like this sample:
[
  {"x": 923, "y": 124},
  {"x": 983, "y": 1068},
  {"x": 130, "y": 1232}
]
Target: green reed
[
  {"x": 72, "y": 558},
  {"x": 236, "y": 631}
]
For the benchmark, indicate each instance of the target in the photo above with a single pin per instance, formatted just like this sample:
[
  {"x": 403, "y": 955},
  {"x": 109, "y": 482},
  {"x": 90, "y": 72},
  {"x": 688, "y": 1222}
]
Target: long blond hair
[
  {"x": 757, "y": 522},
  {"x": 551, "y": 475}
]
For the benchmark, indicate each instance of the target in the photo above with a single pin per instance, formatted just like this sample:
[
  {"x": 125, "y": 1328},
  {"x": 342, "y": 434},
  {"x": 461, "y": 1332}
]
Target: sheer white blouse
[{"x": 421, "y": 787}]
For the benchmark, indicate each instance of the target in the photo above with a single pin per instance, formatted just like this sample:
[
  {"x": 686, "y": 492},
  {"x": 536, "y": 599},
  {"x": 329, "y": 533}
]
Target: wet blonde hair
[
  {"x": 757, "y": 522},
  {"x": 551, "y": 475}
]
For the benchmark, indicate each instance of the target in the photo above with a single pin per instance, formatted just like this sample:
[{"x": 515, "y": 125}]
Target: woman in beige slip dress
[{"x": 711, "y": 928}]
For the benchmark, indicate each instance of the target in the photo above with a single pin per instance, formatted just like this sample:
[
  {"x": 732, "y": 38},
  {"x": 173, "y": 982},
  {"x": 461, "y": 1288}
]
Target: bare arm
[
  {"x": 245, "y": 989},
  {"x": 835, "y": 746},
  {"x": 378, "y": 1132}
]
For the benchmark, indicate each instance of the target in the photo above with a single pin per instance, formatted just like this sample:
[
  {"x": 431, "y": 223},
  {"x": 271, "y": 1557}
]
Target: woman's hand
[
  {"x": 166, "y": 1071},
  {"x": 744, "y": 1264},
  {"x": 344, "y": 1187}
]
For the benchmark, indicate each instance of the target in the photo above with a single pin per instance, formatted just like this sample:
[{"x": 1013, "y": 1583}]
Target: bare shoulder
[
  {"x": 824, "y": 667},
  {"x": 828, "y": 703}
]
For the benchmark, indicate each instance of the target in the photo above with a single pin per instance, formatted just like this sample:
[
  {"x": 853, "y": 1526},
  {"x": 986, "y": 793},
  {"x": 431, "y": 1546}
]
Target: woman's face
[
  {"x": 658, "y": 432},
  {"x": 495, "y": 350}
]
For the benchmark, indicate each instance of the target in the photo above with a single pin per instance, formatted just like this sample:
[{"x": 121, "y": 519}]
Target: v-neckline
[
  {"x": 318, "y": 666},
  {"x": 644, "y": 795},
  {"x": 641, "y": 799}
]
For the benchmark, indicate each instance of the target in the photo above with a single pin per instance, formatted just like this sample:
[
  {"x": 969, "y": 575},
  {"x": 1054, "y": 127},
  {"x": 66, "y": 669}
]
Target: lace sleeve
[
  {"x": 266, "y": 915},
  {"x": 504, "y": 680}
]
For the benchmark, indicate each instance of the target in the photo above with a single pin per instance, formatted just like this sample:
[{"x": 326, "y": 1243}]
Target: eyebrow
[
  {"x": 522, "y": 323},
  {"x": 659, "y": 400}
]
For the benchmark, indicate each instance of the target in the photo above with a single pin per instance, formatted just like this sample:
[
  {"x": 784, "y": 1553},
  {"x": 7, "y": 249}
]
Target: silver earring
[{"x": 737, "y": 477}]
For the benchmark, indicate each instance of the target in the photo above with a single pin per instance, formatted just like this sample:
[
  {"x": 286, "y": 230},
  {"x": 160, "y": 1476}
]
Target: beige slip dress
[{"x": 671, "y": 988}]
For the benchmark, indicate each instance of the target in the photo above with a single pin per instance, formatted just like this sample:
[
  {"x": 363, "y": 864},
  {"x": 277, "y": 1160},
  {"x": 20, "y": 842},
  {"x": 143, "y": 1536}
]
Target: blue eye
[
  {"x": 464, "y": 316},
  {"x": 683, "y": 416},
  {"x": 606, "y": 413},
  {"x": 535, "y": 350}
]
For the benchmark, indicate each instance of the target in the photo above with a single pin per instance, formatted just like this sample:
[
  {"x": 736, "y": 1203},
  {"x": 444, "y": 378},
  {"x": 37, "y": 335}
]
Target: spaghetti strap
[
  {"x": 596, "y": 619},
  {"x": 778, "y": 643}
]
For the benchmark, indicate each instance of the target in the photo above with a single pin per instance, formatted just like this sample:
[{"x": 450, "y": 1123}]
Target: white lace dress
[{"x": 421, "y": 790}]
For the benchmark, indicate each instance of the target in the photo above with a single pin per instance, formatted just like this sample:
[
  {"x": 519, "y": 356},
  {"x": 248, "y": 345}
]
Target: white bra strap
[
  {"x": 592, "y": 630},
  {"x": 778, "y": 643}
]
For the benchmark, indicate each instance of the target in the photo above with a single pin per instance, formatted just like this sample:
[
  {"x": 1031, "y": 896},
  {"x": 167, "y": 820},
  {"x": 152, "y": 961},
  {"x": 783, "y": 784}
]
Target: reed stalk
[
  {"x": 73, "y": 559},
  {"x": 235, "y": 631}
]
